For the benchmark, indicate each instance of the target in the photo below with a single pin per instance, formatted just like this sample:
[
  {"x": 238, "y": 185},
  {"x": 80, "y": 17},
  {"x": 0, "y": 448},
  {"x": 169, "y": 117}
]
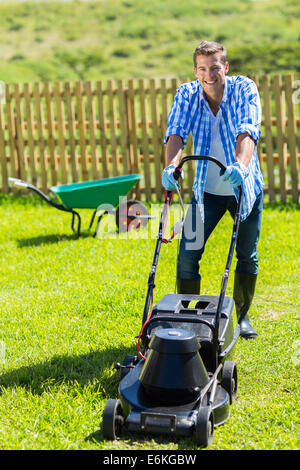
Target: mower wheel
[
  {"x": 113, "y": 419},
  {"x": 204, "y": 427},
  {"x": 229, "y": 379},
  {"x": 127, "y": 216}
]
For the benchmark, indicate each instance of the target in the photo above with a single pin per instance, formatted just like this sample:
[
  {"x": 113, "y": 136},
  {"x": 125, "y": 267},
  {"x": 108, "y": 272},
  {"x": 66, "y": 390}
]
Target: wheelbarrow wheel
[
  {"x": 127, "y": 216},
  {"x": 113, "y": 419},
  {"x": 204, "y": 427},
  {"x": 229, "y": 379}
]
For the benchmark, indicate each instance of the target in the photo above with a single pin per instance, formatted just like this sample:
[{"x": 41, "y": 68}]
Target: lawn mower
[{"x": 183, "y": 380}]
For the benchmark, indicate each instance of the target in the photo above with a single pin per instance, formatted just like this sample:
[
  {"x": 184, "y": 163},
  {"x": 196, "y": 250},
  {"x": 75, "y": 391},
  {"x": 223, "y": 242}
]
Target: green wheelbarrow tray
[
  {"x": 91, "y": 194},
  {"x": 94, "y": 194}
]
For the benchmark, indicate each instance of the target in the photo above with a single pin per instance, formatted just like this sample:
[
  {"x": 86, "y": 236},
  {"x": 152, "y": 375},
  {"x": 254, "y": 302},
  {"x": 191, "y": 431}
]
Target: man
[{"x": 224, "y": 115}]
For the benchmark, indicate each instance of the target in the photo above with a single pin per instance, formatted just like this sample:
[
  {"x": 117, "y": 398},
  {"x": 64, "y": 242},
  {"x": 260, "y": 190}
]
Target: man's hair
[{"x": 209, "y": 48}]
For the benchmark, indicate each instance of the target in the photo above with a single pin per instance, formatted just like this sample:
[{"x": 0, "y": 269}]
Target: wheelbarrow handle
[
  {"x": 19, "y": 183},
  {"x": 23, "y": 184}
]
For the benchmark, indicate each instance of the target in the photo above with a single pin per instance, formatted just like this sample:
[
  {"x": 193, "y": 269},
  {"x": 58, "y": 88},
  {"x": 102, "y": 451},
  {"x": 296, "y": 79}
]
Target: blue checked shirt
[{"x": 241, "y": 112}]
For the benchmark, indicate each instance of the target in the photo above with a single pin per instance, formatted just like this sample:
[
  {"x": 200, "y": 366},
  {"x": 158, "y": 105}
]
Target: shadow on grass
[
  {"x": 94, "y": 370},
  {"x": 48, "y": 239}
]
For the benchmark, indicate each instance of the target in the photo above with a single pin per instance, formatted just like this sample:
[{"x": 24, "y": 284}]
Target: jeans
[{"x": 196, "y": 233}]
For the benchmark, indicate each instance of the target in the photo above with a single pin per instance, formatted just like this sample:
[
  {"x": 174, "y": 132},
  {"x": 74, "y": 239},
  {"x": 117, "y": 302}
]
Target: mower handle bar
[
  {"x": 177, "y": 174},
  {"x": 237, "y": 218},
  {"x": 151, "y": 278},
  {"x": 177, "y": 171}
]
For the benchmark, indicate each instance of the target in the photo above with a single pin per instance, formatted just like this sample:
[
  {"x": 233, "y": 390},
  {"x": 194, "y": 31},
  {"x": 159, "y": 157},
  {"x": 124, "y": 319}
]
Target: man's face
[{"x": 211, "y": 71}]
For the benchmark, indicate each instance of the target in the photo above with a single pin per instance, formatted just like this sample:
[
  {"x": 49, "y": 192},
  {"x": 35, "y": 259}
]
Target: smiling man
[
  {"x": 211, "y": 72},
  {"x": 223, "y": 114}
]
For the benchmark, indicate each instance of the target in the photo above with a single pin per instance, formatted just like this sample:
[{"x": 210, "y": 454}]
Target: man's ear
[{"x": 226, "y": 67}]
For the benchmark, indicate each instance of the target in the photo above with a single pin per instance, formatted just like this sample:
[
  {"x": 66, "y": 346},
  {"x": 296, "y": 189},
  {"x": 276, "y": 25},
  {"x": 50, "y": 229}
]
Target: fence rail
[{"x": 58, "y": 133}]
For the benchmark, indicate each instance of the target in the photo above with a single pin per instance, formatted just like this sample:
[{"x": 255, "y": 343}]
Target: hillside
[{"x": 141, "y": 39}]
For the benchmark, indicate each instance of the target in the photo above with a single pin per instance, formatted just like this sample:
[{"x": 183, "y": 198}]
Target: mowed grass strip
[{"x": 71, "y": 308}]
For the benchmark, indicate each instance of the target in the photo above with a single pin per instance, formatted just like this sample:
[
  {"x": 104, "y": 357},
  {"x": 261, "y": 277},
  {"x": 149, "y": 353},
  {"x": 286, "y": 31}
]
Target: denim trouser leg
[
  {"x": 247, "y": 239},
  {"x": 196, "y": 234}
]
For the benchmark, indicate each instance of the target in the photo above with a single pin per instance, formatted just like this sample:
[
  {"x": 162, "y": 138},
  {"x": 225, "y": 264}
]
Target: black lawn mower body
[{"x": 186, "y": 380}]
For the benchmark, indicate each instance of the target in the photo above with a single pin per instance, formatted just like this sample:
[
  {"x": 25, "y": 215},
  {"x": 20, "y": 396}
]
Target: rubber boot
[{"x": 243, "y": 293}]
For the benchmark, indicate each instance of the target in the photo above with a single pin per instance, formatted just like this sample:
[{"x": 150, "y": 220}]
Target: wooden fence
[{"x": 57, "y": 133}]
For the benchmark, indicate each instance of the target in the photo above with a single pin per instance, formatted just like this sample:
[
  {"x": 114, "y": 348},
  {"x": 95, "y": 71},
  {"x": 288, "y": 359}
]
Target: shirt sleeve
[
  {"x": 248, "y": 110},
  {"x": 179, "y": 116}
]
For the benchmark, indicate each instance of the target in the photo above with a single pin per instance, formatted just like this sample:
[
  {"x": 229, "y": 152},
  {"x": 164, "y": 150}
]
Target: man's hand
[
  {"x": 235, "y": 174},
  {"x": 168, "y": 180}
]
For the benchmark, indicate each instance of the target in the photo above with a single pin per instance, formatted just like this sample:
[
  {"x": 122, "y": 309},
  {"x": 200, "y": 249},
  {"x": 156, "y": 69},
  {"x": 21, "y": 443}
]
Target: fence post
[
  {"x": 145, "y": 143},
  {"x": 11, "y": 132},
  {"x": 100, "y": 97},
  {"x": 91, "y": 121},
  {"x": 133, "y": 148},
  {"x": 280, "y": 125},
  {"x": 70, "y": 114},
  {"x": 163, "y": 117},
  {"x": 292, "y": 131},
  {"x": 30, "y": 133},
  {"x": 49, "y": 114},
  {"x": 268, "y": 134},
  {"x": 81, "y": 129},
  {"x": 4, "y": 171},
  {"x": 155, "y": 141},
  {"x": 41, "y": 141},
  {"x": 112, "y": 127},
  {"x": 19, "y": 134},
  {"x": 123, "y": 125},
  {"x": 58, "y": 96}
]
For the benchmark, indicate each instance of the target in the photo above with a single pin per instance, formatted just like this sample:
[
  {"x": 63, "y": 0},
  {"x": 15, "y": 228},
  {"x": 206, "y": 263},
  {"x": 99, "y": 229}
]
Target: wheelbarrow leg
[
  {"x": 75, "y": 214},
  {"x": 92, "y": 219},
  {"x": 98, "y": 223}
]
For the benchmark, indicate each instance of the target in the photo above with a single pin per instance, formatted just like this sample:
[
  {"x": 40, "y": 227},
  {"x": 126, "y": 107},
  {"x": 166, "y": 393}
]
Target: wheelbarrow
[{"x": 104, "y": 196}]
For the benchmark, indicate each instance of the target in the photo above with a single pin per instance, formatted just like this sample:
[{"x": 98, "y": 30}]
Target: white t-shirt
[{"x": 214, "y": 183}]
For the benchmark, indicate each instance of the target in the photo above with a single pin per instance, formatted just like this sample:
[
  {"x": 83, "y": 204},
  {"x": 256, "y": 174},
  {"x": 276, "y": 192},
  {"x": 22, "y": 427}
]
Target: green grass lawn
[{"x": 71, "y": 308}]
